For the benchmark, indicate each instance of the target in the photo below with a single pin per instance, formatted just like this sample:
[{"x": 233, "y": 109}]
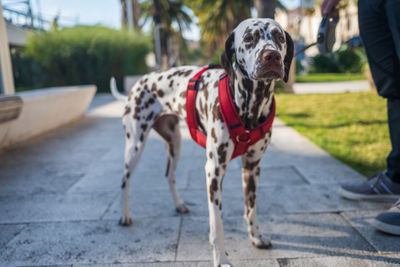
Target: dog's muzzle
[{"x": 270, "y": 65}]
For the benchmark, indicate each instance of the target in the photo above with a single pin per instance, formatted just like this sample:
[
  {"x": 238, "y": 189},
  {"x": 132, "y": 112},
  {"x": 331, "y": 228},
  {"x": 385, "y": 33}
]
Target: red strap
[
  {"x": 191, "y": 116},
  {"x": 241, "y": 137}
]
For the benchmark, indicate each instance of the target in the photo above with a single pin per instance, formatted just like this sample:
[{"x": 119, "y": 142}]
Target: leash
[
  {"x": 326, "y": 35},
  {"x": 304, "y": 49}
]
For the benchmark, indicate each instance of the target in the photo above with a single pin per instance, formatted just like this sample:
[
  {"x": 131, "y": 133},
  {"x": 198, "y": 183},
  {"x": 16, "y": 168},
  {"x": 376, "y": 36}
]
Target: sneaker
[
  {"x": 379, "y": 187},
  {"x": 389, "y": 221}
]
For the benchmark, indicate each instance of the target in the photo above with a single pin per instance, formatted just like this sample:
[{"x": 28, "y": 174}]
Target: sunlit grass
[
  {"x": 329, "y": 77},
  {"x": 352, "y": 127}
]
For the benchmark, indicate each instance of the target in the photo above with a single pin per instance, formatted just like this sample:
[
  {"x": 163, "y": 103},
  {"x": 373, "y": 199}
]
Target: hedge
[
  {"x": 342, "y": 61},
  {"x": 80, "y": 55}
]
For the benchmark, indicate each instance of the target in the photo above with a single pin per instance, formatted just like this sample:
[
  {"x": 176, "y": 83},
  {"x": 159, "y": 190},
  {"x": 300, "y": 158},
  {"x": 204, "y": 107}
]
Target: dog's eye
[
  {"x": 248, "y": 38},
  {"x": 281, "y": 39}
]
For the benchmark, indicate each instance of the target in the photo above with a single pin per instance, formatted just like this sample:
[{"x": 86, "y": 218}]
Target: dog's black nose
[{"x": 270, "y": 56}]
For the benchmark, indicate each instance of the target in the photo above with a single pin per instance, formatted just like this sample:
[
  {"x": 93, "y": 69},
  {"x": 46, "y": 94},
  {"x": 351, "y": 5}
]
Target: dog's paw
[
  {"x": 221, "y": 260},
  {"x": 125, "y": 221},
  {"x": 225, "y": 264},
  {"x": 261, "y": 243},
  {"x": 182, "y": 209}
]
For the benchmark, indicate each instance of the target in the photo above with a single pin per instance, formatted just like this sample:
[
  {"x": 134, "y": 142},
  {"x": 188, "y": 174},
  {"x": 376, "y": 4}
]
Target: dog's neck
[{"x": 253, "y": 99}]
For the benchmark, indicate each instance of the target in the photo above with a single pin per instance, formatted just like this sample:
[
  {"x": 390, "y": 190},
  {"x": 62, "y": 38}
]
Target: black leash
[{"x": 304, "y": 49}]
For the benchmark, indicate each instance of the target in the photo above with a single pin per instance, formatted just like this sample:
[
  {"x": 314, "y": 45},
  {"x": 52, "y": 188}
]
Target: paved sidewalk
[
  {"x": 59, "y": 204},
  {"x": 331, "y": 87}
]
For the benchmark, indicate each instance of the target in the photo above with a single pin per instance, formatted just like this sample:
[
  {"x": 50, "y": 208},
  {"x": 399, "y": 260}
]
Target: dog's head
[{"x": 262, "y": 49}]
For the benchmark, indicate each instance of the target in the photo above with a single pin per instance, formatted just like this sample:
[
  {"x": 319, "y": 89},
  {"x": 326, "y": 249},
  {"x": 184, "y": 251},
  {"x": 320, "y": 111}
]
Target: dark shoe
[
  {"x": 379, "y": 187},
  {"x": 389, "y": 221}
]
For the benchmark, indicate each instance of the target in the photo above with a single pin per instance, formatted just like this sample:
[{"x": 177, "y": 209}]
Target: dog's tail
[{"x": 114, "y": 91}]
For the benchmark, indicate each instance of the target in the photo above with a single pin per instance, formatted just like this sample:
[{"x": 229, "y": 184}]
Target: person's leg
[
  {"x": 379, "y": 28},
  {"x": 392, "y": 8},
  {"x": 376, "y": 23},
  {"x": 389, "y": 221},
  {"x": 393, "y": 160}
]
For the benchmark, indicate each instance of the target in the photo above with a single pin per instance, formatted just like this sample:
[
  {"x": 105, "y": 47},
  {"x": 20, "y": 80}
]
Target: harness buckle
[
  {"x": 192, "y": 85},
  {"x": 244, "y": 137}
]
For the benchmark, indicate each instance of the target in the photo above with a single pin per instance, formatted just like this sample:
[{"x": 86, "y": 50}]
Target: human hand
[{"x": 328, "y": 6}]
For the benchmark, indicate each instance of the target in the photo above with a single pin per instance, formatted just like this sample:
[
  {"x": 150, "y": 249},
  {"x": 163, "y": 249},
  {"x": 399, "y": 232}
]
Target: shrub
[
  {"x": 344, "y": 61},
  {"x": 324, "y": 63},
  {"x": 299, "y": 67},
  {"x": 84, "y": 55},
  {"x": 349, "y": 61}
]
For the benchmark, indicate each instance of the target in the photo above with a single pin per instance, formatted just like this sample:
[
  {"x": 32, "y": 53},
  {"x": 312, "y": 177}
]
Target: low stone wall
[{"x": 46, "y": 109}]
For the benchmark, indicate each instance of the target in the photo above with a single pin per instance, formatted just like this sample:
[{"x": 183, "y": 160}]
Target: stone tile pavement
[{"x": 59, "y": 204}]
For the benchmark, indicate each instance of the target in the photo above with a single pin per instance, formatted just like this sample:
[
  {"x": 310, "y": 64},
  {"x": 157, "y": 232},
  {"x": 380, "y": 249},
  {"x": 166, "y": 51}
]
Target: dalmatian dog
[{"x": 257, "y": 53}]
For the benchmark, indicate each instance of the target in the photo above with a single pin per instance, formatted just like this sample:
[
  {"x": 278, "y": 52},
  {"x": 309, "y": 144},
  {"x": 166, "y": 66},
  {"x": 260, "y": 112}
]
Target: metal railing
[{"x": 22, "y": 19}]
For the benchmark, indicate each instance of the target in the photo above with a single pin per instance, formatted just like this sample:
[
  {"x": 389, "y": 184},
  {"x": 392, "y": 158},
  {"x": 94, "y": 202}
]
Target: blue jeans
[{"x": 379, "y": 22}]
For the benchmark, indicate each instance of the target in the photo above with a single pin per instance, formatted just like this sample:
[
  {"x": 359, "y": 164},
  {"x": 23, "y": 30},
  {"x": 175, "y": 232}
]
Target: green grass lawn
[
  {"x": 352, "y": 127},
  {"x": 329, "y": 77}
]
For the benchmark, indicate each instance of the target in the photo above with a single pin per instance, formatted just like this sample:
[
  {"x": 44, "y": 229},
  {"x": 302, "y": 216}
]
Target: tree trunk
[
  {"x": 162, "y": 34},
  {"x": 136, "y": 14},
  {"x": 124, "y": 21},
  {"x": 265, "y": 8}
]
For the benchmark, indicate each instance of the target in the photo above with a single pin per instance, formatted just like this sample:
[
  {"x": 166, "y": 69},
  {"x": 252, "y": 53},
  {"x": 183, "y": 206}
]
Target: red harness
[{"x": 241, "y": 137}]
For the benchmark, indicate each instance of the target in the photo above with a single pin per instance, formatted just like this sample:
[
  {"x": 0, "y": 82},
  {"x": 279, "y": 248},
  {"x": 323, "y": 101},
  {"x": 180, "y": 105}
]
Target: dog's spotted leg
[
  {"x": 250, "y": 175},
  {"x": 168, "y": 127},
  {"x": 133, "y": 151},
  {"x": 218, "y": 156},
  {"x": 136, "y": 132}
]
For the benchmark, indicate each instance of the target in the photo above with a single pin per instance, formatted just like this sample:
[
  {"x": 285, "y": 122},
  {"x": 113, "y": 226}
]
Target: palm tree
[
  {"x": 265, "y": 8},
  {"x": 217, "y": 18},
  {"x": 124, "y": 12},
  {"x": 165, "y": 13},
  {"x": 135, "y": 13}
]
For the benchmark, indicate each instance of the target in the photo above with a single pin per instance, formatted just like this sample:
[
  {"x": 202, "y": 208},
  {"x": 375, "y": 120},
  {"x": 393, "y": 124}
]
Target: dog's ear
[
  {"x": 289, "y": 56},
  {"x": 226, "y": 57}
]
